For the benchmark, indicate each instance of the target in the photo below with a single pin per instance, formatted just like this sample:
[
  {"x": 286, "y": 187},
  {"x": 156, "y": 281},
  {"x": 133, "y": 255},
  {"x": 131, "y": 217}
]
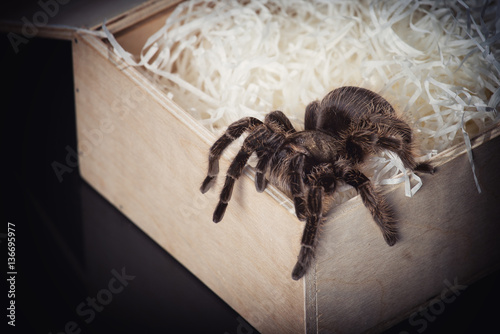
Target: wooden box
[{"x": 148, "y": 157}]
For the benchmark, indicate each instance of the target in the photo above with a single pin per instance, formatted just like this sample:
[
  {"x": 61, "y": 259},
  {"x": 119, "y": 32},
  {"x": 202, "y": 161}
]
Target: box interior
[{"x": 133, "y": 39}]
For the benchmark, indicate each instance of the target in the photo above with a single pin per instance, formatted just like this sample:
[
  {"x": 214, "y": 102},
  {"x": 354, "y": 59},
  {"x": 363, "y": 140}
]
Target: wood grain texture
[
  {"x": 449, "y": 234},
  {"x": 148, "y": 158}
]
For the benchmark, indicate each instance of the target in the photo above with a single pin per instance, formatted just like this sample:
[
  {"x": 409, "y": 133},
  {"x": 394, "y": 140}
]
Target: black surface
[
  {"x": 69, "y": 239},
  {"x": 70, "y": 242}
]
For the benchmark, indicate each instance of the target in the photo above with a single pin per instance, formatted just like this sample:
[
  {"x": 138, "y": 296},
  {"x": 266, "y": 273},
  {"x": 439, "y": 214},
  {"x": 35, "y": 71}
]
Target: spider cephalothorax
[{"x": 341, "y": 130}]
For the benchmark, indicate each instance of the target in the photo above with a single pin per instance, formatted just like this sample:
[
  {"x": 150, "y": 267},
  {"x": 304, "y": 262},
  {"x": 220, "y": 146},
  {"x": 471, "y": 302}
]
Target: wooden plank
[
  {"x": 148, "y": 158},
  {"x": 59, "y": 32},
  {"x": 449, "y": 235}
]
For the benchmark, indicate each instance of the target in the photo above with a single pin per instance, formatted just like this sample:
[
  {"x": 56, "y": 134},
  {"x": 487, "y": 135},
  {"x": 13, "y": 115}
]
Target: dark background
[{"x": 69, "y": 239}]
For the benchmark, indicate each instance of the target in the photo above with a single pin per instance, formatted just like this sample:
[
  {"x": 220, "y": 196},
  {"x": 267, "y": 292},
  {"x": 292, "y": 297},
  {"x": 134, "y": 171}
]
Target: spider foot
[
  {"x": 219, "y": 212},
  {"x": 260, "y": 182},
  {"x": 298, "y": 271},
  {"x": 425, "y": 167},
  {"x": 391, "y": 239},
  {"x": 390, "y": 234},
  {"x": 304, "y": 261},
  {"x": 207, "y": 184}
]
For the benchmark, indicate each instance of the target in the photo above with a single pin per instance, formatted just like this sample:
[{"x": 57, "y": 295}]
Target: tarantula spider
[{"x": 341, "y": 130}]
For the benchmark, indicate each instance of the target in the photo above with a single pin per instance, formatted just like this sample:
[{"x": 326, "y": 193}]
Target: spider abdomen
[{"x": 346, "y": 105}]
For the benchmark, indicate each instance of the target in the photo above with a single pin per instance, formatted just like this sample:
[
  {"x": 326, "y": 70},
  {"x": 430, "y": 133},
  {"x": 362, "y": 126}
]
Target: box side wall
[
  {"x": 449, "y": 237},
  {"x": 148, "y": 163}
]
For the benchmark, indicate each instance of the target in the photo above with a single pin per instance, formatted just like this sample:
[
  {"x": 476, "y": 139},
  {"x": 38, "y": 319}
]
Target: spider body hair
[{"x": 341, "y": 131}]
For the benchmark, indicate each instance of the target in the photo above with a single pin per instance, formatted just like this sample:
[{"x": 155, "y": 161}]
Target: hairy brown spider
[{"x": 341, "y": 130}]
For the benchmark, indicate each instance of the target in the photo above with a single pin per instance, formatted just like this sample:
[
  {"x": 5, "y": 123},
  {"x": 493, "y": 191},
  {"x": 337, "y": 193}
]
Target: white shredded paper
[{"x": 437, "y": 62}]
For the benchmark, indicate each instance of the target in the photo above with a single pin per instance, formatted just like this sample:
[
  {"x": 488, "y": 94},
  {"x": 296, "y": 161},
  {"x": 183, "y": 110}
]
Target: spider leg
[
  {"x": 359, "y": 142},
  {"x": 392, "y": 128},
  {"x": 297, "y": 185},
  {"x": 311, "y": 116},
  {"x": 278, "y": 123},
  {"x": 260, "y": 179},
  {"x": 279, "y": 119},
  {"x": 378, "y": 133},
  {"x": 405, "y": 153},
  {"x": 234, "y": 131},
  {"x": 323, "y": 183},
  {"x": 234, "y": 171},
  {"x": 314, "y": 217},
  {"x": 375, "y": 202}
]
